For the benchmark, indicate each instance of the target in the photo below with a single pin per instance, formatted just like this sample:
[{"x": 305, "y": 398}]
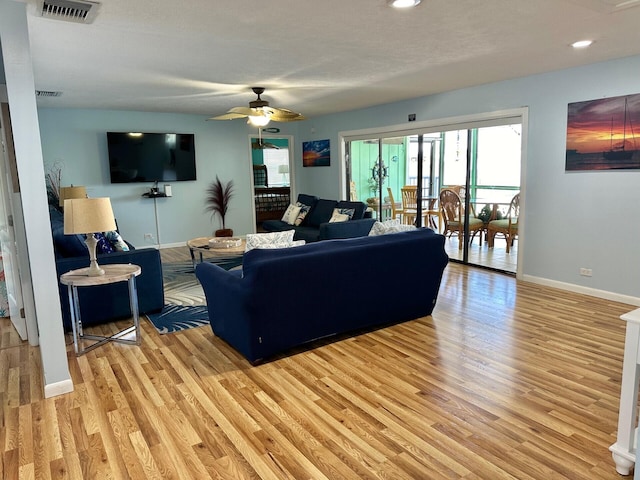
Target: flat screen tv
[{"x": 151, "y": 157}]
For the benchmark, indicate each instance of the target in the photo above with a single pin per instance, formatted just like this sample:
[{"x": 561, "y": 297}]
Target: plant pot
[{"x": 224, "y": 232}]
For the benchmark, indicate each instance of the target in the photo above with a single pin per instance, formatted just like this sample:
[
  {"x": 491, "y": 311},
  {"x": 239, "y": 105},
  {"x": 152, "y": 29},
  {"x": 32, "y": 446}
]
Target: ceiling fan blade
[
  {"x": 245, "y": 111},
  {"x": 228, "y": 116},
  {"x": 238, "y": 112},
  {"x": 284, "y": 115}
]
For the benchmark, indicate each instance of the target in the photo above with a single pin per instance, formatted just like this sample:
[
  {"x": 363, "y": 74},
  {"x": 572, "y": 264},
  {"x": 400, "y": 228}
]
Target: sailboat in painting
[{"x": 620, "y": 152}]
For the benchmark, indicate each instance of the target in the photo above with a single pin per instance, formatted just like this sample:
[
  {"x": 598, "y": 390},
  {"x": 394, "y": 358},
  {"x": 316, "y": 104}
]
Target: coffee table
[{"x": 198, "y": 247}]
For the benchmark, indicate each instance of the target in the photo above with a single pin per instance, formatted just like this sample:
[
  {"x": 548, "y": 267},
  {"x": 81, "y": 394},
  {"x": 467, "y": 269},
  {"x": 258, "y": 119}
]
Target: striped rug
[{"x": 185, "y": 305}]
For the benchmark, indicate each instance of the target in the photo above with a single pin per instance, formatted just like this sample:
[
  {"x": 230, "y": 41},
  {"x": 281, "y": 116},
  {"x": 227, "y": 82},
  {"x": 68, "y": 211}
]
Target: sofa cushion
[
  {"x": 307, "y": 199},
  {"x": 358, "y": 207},
  {"x": 320, "y": 213},
  {"x": 389, "y": 226},
  {"x": 117, "y": 241},
  {"x": 269, "y": 240},
  {"x": 304, "y": 210},
  {"x": 341, "y": 215},
  {"x": 291, "y": 214},
  {"x": 308, "y": 234},
  {"x": 104, "y": 245}
]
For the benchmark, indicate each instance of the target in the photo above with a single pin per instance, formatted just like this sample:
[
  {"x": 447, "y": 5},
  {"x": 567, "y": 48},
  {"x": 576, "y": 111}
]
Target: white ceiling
[{"x": 313, "y": 56}]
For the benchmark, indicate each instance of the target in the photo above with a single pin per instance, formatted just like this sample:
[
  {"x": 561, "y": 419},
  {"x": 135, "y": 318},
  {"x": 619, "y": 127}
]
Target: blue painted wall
[{"x": 572, "y": 220}]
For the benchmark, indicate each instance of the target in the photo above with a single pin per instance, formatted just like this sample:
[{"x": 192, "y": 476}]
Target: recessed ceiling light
[
  {"x": 582, "y": 44},
  {"x": 403, "y": 3}
]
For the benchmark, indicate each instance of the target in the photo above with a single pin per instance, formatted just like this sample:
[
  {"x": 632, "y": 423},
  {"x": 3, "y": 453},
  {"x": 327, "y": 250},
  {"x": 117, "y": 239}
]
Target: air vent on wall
[
  {"x": 78, "y": 11},
  {"x": 46, "y": 93}
]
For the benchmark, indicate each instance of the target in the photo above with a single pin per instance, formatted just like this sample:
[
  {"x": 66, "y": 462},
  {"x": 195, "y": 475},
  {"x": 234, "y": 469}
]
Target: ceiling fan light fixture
[
  {"x": 259, "y": 113},
  {"x": 259, "y": 120},
  {"x": 403, "y": 3}
]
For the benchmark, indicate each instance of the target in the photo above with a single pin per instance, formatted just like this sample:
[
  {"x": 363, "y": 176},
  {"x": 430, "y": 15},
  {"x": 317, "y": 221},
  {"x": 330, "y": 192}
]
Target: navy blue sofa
[
  {"x": 316, "y": 226},
  {"x": 105, "y": 303},
  {"x": 284, "y": 298}
]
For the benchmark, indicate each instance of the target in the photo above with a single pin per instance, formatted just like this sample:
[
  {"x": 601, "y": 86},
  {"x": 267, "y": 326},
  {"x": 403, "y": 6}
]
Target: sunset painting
[
  {"x": 316, "y": 153},
  {"x": 601, "y": 134}
]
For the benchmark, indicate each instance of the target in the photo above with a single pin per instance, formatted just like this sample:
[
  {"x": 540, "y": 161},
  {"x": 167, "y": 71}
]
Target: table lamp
[
  {"x": 88, "y": 216},
  {"x": 72, "y": 192},
  {"x": 283, "y": 169}
]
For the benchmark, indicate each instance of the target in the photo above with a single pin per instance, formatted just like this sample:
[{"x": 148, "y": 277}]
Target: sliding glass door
[
  {"x": 376, "y": 172},
  {"x": 481, "y": 164},
  {"x": 485, "y": 163},
  {"x": 378, "y": 169}
]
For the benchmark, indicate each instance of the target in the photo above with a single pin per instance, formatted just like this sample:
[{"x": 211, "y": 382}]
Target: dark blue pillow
[
  {"x": 307, "y": 199},
  {"x": 320, "y": 213}
]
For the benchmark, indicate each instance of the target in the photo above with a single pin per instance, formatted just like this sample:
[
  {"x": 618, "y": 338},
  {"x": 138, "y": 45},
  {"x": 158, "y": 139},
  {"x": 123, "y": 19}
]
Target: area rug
[
  {"x": 181, "y": 287},
  {"x": 185, "y": 305},
  {"x": 174, "y": 318}
]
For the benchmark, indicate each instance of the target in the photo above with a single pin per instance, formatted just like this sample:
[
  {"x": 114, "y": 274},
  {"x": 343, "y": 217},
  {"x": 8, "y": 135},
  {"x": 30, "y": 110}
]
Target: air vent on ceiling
[
  {"x": 78, "y": 11},
  {"x": 47, "y": 93}
]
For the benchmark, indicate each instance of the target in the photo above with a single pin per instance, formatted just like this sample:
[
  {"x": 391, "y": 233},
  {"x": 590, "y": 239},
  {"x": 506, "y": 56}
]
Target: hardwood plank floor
[
  {"x": 505, "y": 380},
  {"x": 496, "y": 257}
]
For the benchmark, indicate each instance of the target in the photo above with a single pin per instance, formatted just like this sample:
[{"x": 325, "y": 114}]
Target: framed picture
[
  {"x": 601, "y": 134},
  {"x": 316, "y": 153}
]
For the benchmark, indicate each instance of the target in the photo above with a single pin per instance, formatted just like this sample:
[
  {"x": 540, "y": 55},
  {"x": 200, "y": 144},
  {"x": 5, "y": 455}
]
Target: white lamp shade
[
  {"x": 88, "y": 215},
  {"x": 283, "y": 168},
  {"x": 72, "y": 192}
]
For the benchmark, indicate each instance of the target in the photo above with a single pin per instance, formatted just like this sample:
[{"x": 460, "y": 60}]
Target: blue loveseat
[
  {"x": 105, "y": 303},
  {"x": 287, "y": 297},
  {"x": 316, "y": 226}
]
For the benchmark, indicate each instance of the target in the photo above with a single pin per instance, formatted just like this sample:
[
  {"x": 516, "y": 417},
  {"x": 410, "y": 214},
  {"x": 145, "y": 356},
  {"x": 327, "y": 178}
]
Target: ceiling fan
[{"x": 259, "y": 112}]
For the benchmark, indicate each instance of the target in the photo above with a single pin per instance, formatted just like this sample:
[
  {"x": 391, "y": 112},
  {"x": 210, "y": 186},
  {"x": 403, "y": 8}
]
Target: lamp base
[{"x": 94, "y": 268}]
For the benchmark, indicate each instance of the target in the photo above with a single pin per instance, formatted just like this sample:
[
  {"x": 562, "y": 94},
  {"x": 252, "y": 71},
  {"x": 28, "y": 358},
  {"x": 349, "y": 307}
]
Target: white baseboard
[
  {"x": 58, "y": 388},
  {"x": 593, "y": 292}
]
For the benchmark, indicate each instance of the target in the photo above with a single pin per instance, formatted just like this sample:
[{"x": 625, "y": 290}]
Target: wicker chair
[
  {"x": 452, "y": 211},
  {"x": 507, "y": 226}
]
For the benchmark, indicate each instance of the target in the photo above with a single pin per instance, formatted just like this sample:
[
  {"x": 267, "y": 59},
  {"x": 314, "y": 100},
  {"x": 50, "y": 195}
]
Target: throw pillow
[
  {"x": 116, "y": 241},
  {"x": 304, "y": 209},
  {"x": 269, "y": 240},
  {"x": 291, "y": 214},
  {"x": 389, "y": 226},
  {"x": 341, "y": 215},
  {"x": 103, "y": 244}
]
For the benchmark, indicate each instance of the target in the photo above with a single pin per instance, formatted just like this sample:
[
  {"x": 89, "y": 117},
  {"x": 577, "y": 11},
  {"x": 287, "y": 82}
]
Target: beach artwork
[
  {"x": 603, "y": 134},
  {"x": 316, "y": 153}
]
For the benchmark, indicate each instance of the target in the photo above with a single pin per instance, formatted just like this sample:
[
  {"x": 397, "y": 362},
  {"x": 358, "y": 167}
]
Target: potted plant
[{"x": 217, "y": 202}]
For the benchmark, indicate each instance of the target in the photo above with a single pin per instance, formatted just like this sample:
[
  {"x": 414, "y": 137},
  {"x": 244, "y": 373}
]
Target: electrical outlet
[
  {"x": 148, "y": 236},
  {"x": 586, "y": 272}
]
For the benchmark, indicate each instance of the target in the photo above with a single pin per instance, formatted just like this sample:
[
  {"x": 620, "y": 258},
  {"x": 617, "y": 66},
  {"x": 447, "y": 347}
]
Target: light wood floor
[
  {"x": 506, "y": 380},
  {"x": 496, "y": 257}
]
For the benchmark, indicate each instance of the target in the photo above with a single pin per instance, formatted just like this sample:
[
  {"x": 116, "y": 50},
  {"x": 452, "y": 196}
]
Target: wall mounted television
[{"x": 151, "y": 157}]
